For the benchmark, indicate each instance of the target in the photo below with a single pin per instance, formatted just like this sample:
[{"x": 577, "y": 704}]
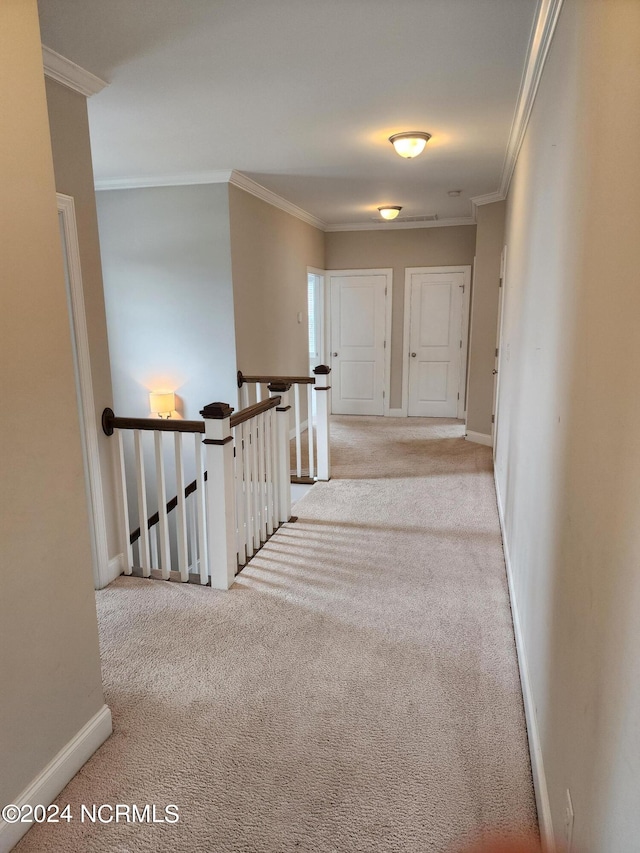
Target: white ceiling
[{"x": 301, "y": 95}]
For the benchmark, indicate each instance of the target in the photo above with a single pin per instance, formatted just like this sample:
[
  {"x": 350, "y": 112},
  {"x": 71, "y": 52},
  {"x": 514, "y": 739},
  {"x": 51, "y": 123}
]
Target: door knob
[
  {"x": 334, "y": 354},
  {"x": 413, "y": 355}
]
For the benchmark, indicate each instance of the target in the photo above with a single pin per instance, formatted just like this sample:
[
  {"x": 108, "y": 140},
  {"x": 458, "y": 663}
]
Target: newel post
[
  {"x": 221, "y": 521},
  {"x": 323, "y": 410},
  {"x": 281, "y": 389}
]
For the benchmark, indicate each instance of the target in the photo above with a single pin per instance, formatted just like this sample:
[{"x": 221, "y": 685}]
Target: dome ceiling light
[
  {"x": 410, "y": 143},
  {"x": 389, "y": 212}
]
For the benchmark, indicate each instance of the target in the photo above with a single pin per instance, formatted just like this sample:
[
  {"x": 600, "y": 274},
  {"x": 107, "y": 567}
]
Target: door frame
[
  {"x": 388, "y": 302},
  {"x": 464, "y": 332},
  {"x": 322, "y": 302},
  {"x": 86, "y": 402}
]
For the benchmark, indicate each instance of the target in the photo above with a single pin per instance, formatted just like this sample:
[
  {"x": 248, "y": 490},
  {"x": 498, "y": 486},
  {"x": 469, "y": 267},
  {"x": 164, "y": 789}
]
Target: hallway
[{"x": 356, "y": 690}]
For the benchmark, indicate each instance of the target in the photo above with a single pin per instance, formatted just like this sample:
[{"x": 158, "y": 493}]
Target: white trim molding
[
  {"x": 115, "y": 568},
  {"x": 533, "y": 732},
  {"x": 488, "y": 198},
  {"x": 47, "y": 785},
  {"x": 479, "y": 438},
  {"x": 86, "y": 401},
  {"x": 396, "y": 226},
  {"x": 244, "y": 182},
  {"x": 62, "y": 70},
  {"x": 218, "y": 176},
  {"x": 181, "y": 179},
  {"x": 541, "y": 37}
]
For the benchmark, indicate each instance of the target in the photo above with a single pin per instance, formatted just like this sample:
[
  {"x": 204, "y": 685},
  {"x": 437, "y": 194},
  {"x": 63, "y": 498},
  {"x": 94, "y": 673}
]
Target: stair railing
[
  {"x": 240, "y": 495},
  {"x": 310, "y": 414}
]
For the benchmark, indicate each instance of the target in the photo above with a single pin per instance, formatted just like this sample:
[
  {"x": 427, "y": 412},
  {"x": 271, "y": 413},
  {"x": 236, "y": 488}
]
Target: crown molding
[
  {"x": 541, "y": 37},
  {"x": 398, "y": 226},
  {"x": 489, "y": 198},
  {"x": 244, "y": 182},
  {"x": 181, "y": 179},
  {"x": 221, "y": 176},
  {"x": 64, "y": 71}
]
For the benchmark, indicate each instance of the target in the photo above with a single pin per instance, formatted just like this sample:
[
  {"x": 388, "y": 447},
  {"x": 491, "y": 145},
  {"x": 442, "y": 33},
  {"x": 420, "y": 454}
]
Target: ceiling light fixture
[
  {"x": 389, "y": 212},
  {"x": 409, "y": 144}
]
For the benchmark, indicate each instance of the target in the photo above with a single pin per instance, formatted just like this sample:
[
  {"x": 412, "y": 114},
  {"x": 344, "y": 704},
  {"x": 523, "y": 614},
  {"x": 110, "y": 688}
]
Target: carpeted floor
[{"x": 355, "y": 692}]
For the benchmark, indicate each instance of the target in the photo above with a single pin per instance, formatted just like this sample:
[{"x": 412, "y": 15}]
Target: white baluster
[
  {"x": 284, "y": 475},
  {"x": 193, "y": 534},
  {"x": 145, "y": 556},
  {"x": 163, "y": 523},
  {"x": 181, "y": 515},
  {"x": 248, "y": 500},
  {"x": 238, "y": 463},
  {"x": 221, "y": 534},
  {"x": 126, "y": 529},
  {"x": 296, "y": 413},
  {"x": 262, "y": 497},
  {"x": 323, "y": 409},
  {"x": 268, "y": 452},
  {"x": 153, "y": 542},
  {"x": 310, "y": 429},
  {"x": 258, "y": 392},
  {"x": 275, "y": 469},
  {"x": 199, "y": 497},
  {"x": 255, "y": 482},
  {"x": 244, "y": 395}
]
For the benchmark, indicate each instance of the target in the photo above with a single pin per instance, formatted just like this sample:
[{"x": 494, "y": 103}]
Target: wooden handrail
[
  {"x": 111, "y": 422},
  {"x": 284, "y": 380},
  {"x": 251, "y": 411}
]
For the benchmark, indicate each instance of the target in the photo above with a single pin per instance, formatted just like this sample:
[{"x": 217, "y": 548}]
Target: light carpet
[{"x": 356, "y": 690}]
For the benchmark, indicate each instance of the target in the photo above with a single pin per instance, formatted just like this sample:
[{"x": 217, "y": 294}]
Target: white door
[
  {"x": 358, "y": 328},
  {"x": 437, "y": 342}
]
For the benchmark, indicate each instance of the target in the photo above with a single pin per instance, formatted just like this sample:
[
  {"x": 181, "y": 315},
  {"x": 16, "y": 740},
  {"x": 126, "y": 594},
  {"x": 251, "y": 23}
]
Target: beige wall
[
  {"x": 400, "y": 248},
  {"x": 49, "y": 666},
  {"x": 568, "y": 449},
  {"x": 69, "y": 125},
  {"x": 484, "y": 316},
  {"x": 270, "y": 253}
]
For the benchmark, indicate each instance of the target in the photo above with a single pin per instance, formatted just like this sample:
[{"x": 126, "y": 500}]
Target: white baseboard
[
  {"x": 396, "y": 413},
  {"x": 533, "y": 733},
  {"x": 479, "y": 438},
  {"x": 303, "y": 426},
  {"x": 58, "y": 773},
  {"x": 110, "y": 571},
  {"x": 116, "y": 568}
]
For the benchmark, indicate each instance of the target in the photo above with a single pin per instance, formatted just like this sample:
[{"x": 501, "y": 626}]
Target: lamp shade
[
  {"x": 410, "y": 144},
  {"x": 162, "y": 402},
  {"x": 389, "y": 212}
]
